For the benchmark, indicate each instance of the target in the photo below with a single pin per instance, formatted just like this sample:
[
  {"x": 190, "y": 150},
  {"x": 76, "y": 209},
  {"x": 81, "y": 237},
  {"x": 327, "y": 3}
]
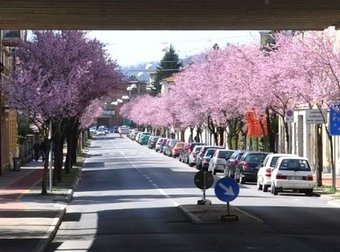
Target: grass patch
[
  {"x": 68, "y": 179},
  {"x": 328, "y": 190}
]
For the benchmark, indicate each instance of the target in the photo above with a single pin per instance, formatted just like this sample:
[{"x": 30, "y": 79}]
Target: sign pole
[
  {"x": 226, "y": 189},
  {"x": 203, "y": 180}
]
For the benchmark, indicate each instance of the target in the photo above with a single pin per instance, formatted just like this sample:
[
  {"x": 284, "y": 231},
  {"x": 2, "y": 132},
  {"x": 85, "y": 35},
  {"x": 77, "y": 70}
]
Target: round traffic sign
[
  {"x": 226, "y": 189},
  {"x": 289, "y": 113},
  {"x": 203, "y": 179}
]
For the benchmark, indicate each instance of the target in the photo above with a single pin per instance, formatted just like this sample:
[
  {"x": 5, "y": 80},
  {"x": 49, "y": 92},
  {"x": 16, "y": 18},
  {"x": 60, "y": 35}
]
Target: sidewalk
[{"x": 28, "y": 220}]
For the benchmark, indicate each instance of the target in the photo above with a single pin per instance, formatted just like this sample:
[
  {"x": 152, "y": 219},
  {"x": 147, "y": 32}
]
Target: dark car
[
  {"x": 200, "y": 155},
  {"x": 152, "y": 142},
  {"x": 232, "y": 163},
  {"x": 248, "y": 166},
  {"x": 188, "y": 148}
]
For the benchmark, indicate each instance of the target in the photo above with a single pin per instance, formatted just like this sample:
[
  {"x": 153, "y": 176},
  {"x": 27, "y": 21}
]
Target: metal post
[
  {"x": 50, "y": 155},
  {"x": 204, "y": 185}
]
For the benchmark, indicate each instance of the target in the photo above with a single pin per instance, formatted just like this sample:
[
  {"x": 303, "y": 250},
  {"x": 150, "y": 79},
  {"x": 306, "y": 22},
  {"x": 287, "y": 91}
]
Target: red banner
[{"x": 257, "y": 127}]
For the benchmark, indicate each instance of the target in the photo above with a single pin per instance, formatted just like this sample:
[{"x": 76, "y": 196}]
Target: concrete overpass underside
[{"x": 169, "y": 14}]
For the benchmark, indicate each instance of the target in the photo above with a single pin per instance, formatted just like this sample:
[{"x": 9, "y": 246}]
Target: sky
[{"x": 131, "y": 48}]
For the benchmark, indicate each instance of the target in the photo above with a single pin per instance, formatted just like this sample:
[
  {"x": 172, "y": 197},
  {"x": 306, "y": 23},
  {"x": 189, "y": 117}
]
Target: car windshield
[
  {"x": 294, "y": 165},
  {"x": 255, "y": 158},
  {"x": 197, "y": 149},
  {"x": 222, "y": 154},
  {"x": 209, "y": 152}
]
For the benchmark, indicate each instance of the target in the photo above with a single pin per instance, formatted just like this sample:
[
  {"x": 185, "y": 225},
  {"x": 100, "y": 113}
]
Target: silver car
[
  {"x": 219, "y": 161},
  {"x": 193, "y": 155}
]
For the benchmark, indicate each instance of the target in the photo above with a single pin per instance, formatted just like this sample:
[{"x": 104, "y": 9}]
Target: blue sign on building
[
  {"x": 334, "y": 120},
  {"x": 226, "y": 189}
]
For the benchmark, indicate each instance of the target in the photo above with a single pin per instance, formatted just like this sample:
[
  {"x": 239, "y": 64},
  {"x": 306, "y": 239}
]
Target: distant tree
[{"x": 168, "y": 66}]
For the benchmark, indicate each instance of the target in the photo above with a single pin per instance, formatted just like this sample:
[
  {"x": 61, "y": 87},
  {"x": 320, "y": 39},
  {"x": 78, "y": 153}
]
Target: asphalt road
[{"x": 128, "y": 198}]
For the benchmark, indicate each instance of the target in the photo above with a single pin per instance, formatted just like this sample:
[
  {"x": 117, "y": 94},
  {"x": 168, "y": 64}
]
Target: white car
[
  {"x": 264, "y": 172},
  {"x": 123, "y": 129},
  {"x": 100, "y": 132},
  {"x": 219, "y": 160},
  {"x": 294, "y": 174}
]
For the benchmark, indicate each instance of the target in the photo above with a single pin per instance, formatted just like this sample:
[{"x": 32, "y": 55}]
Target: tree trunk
[
  {"x": 58, "y": 159},
  {"x": 191, "y": 135},
  {"x": 319, "y": 155},
  {"x": 221, "y": 136},
  {"x": 332, "y": 160},
  {"x": 197, "y": 138},
  {"x": 182, "y": 135},
  {"x": 68, "y": 162},
  {"x": 46, "y": 166},
  {"x": 271, "y": 131},
  {"x": 287, "y": 136}
]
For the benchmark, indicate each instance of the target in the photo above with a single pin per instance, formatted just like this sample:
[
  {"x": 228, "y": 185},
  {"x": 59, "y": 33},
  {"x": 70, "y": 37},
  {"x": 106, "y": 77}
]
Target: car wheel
[
  {"x": 265, "y": 188},
  {"x": 275, "y": 190},
  {"x": 309, "y": 192},
  {"x": 259, "y": 186},
  {"x": 191, "y": 164}
]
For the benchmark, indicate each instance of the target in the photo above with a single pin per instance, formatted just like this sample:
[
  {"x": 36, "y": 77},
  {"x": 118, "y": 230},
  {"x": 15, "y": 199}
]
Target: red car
[{"x": 176, "y": 150}]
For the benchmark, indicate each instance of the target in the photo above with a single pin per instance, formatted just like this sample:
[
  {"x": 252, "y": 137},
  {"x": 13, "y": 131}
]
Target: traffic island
[{"x": 205, "y": 214}]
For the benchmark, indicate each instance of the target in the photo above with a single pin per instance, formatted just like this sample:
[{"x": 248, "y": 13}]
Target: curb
[{"x": 50, "y": 233}]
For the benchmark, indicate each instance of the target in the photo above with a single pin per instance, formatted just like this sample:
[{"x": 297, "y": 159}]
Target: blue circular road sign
[{"x": 226, "y": 189}]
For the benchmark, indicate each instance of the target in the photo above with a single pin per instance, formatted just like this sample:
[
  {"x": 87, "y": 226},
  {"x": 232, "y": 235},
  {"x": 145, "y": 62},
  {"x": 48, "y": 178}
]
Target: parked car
[
  {"x": 248, "y": 165},
  {"x": 164, "y": 144},
  {"x": 144, "y": 139},
  {"x": 131, "y": 133},
  {"x": 93, "y": 130},
  {"x": 101, "y": 132},
  {"x": 219, "y": 161},
  {"x": 204, "y": 162},
  {"x": 193, "y": 155},
  {"x": 159, "y": 143},
  {"x": 178, "y": 147},
  {"x": 201, "y": 155},
  {"x": 123, "y": 129},
  {"x": 232, "y": 163},
  {"x": 292, "y": 173},
  {"x": 103, "y": 127},
  {"x": 168, "y": 147},
  {"x": 152, "y": 142},
  {"x": 264, "y": 173},
  {"x": 138, "y": 136},
  {"x": 188, "y": 148}
]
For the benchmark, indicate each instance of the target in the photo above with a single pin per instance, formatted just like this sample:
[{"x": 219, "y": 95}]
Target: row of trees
[
  {"x": 60, "y": 79},
  {"x": 220, "y": 86}
]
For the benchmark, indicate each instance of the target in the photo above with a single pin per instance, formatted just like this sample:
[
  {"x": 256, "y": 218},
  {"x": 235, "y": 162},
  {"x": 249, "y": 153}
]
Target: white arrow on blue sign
[{"x": 226, "y": 189}]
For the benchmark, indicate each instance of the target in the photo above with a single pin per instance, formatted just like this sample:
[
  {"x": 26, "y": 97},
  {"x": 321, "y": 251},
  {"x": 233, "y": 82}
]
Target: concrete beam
[{"x": 169, "y": 14}]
